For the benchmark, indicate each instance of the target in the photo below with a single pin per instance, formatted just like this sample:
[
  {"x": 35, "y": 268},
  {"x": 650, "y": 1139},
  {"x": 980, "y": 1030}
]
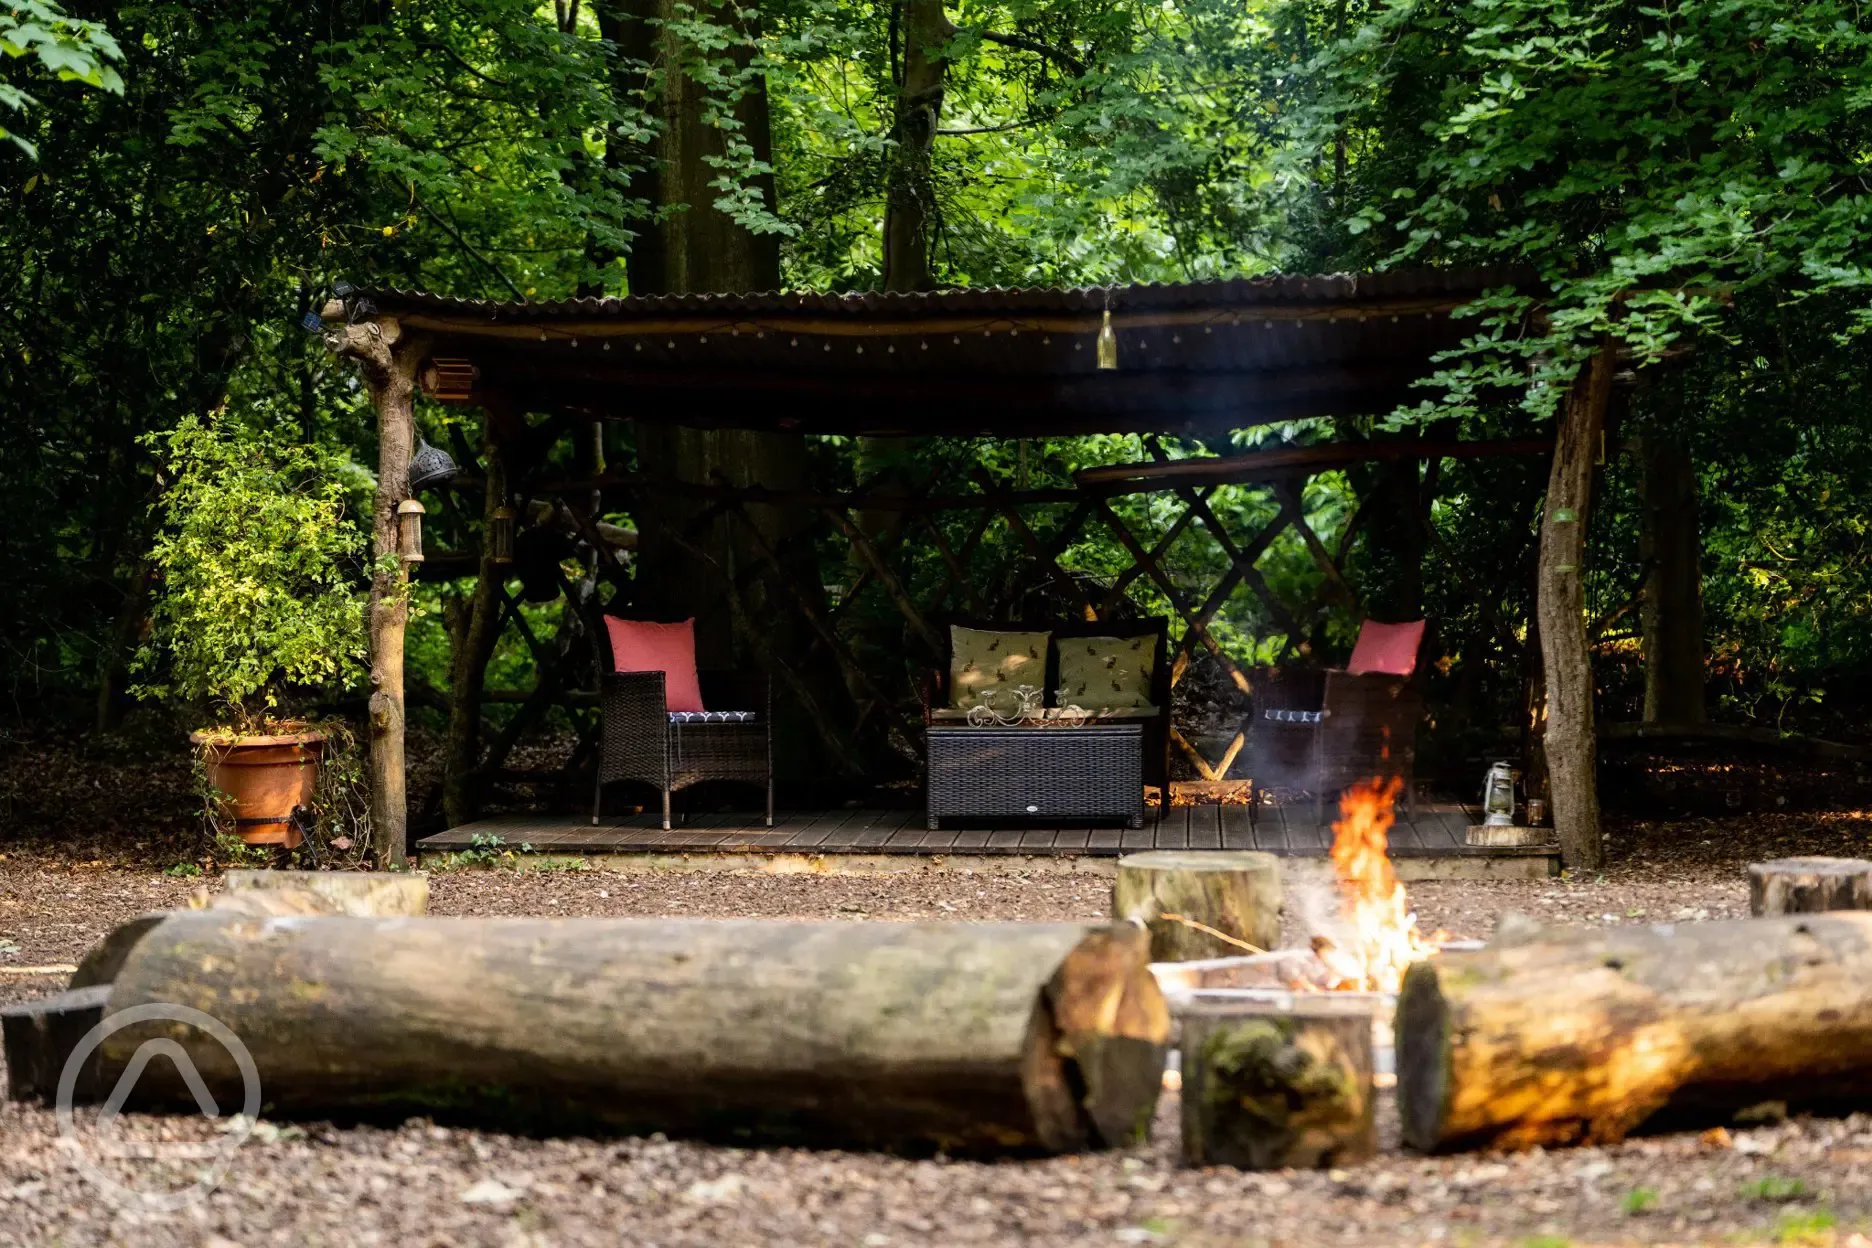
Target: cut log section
[
  {"x": 1587, "y": 1037},
  {"x": 1267, "y": 1086},
  {"x": 359, "y": 893},
  {"x": 40, "y": 1037},
  {"x": 978, "y": 1038},
  {"x": 1809, "y": 885},
  {"x": 1496, "y": 837},
  {"x": 1179, "y": 893}
]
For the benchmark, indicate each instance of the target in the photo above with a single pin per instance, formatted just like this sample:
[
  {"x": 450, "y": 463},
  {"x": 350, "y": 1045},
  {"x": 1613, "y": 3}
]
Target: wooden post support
[
  {"x": 461, "y": 778},
  {"x": 387, "y": 360},
  {"x": 1809, "y": 885},
  {"x": 1234, "y": 893},
  {"x": 1268, "y": 1086},
  {"x": 967, "y": 1037},
  {"x": 1561, "y": 607},
  {"x": 1586, "y": 1036}
]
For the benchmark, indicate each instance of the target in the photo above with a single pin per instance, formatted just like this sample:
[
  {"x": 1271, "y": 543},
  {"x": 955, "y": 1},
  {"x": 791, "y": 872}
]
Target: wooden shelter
[{"x": 1196, "y": 360}]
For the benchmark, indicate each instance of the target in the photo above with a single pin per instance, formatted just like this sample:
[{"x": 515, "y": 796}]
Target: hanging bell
[
  {"x": 500, "y": 540},
  {"x": 430, "y": 466},
  {"x": 409, "y": 514},
  {"x": 1107, "y": 343}
]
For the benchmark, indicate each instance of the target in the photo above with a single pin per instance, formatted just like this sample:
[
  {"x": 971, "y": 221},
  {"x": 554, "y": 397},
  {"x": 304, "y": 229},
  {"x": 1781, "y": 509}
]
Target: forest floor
[{"x": 1804, "y": 1181}]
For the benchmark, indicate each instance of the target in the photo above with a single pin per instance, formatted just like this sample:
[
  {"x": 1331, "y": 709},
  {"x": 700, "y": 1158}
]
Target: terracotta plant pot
[{"x": 265, "y": 779}]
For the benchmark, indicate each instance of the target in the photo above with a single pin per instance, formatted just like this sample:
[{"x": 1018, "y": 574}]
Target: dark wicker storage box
[{"x": 1090, "y": 772}]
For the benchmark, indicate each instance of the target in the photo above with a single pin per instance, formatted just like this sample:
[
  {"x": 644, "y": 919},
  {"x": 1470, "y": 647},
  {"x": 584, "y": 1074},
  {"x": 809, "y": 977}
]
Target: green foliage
[
  {"x": 1638, "y": 1200},
  {"x": 1812, "y": 1226},
  {"x": 69, "y": 48},
  {"x": 184, "y": 871},
  {"x": 259, "y": 573},
  {"x": 1774, "y": 1187},
  {"x": 1649, "y": 163}
]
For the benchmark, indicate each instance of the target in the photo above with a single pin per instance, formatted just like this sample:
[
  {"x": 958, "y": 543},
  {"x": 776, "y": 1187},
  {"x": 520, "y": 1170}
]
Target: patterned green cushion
[
  {"x": 1105, "y": 672},
  {"x": 994, "y": 664}
]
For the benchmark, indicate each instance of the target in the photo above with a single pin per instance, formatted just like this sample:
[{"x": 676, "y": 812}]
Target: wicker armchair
[
  {"x": 1356, "y": 726},
  {"x": 670, "y": 750}
]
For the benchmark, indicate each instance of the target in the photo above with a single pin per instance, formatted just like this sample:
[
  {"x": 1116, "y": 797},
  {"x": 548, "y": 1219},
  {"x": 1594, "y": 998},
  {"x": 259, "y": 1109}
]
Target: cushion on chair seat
[
  {"x": 1280, "y": 715},
  {"x": 713, "y": 717}
]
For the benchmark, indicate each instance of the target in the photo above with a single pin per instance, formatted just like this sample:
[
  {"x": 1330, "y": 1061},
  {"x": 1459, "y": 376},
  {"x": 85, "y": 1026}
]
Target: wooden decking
[{"x": 1437, "y": 832}]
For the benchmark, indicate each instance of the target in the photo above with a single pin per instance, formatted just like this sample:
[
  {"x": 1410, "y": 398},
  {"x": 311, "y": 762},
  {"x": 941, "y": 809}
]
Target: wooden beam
[{"x": 1294, "y": 461}]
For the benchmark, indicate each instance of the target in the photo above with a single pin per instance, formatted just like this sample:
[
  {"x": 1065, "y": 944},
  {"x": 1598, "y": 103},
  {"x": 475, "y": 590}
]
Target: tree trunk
[
  {"x": 1585, "y": 1038},
  {"x": 392, "y": 395},
  {"x": 1809, "y": 885},
  {"x": 990, "y": 1037},
  {"x": 1267, "y": 1087},
  {"x": 1567, "y": 661},
  {"x": 909, "y": 191},
  {"x": 1237, "y": 894},
  {"x": 1671, "y": 608},
  {"x": 461, "y": 786}
]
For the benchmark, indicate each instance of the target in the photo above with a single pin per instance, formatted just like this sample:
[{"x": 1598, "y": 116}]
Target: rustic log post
[
  {"x": 1585, "y": 1037},
  {"x": 990, "y": 1037},
  {"x": 1670, "y": 546},
  {"x": 1809, "y": 885},
  {"x": 461, "y": 788},
  {"x": 1266, "y": 1086},
  {"x": 40, "y": 1037},
  {"x": 1569, "y": 741},
  {"x": 387, "y": 359},
  {"x": 1178, "y": 894}
]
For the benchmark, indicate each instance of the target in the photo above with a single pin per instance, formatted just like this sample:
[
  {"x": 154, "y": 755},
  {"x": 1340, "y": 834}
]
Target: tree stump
[
  {"x": 1267, "y": 1087},
  {"x": 1809, "y": 885},
  {"x": 360, "y": 893},
  {"x": 965, "y": 1037},
  {"x": 1235, "y": 893},
  {"x": 1585, "y": 1037}
]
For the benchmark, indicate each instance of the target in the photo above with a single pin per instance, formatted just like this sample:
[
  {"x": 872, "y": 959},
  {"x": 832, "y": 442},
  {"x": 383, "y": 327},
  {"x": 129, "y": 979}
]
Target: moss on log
[{"x": 1269, "y": 1086}]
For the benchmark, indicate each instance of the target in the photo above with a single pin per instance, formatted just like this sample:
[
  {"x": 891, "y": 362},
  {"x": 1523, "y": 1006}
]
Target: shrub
[{"x": 259, "y": 573}]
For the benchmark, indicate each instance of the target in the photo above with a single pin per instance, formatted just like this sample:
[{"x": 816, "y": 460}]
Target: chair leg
[
  {"x": 770, "y": 799},
  {"x": 666, "y": 810},
  {"x": 597, "y": 799}
]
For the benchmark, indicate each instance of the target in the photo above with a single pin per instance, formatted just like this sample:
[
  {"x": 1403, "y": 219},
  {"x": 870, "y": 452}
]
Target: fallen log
[
  {"x": 991, "y": 1037},
  {"x": 358, "y": 893},
  {"x": 1809, "y": 885},
  {"x": 40, "y": 1037},
  {"x": 1201, "y": 903},
  {"x": 1268, "y": 1086},
  {"x": 1586, "y": 1037}
]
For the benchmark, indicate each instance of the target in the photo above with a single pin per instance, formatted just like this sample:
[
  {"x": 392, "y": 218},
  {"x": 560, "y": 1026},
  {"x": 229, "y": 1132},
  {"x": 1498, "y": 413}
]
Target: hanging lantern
[
  {"x": 501, "y": 535},
  {"x": 409, "y": 514},
  {"x": 430, "y": 466},
  {"x": 1107, "y": 343},
  {"x": 1498, "y": 796}
]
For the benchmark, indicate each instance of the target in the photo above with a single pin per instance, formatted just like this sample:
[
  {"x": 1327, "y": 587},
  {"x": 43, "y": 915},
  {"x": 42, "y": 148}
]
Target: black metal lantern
[{"x": 430, "y": 466}]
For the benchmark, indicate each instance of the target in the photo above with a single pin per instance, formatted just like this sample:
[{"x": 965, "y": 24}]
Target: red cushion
[
  {"x": 1386, "y": 649},
  {"x": 641, "y": 646}
]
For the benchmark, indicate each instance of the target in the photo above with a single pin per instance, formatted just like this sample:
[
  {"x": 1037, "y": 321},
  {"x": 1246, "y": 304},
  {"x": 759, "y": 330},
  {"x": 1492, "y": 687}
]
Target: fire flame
[{"x": 1384, "y": 936}]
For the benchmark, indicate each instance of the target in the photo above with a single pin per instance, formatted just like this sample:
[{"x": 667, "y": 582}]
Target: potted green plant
[{"x": 258, "y": 575}]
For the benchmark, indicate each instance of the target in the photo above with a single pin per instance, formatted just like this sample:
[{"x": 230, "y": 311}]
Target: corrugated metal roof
[
  {"x": 1195, "y": 357},
  {"x": 1245, "y": 293}
]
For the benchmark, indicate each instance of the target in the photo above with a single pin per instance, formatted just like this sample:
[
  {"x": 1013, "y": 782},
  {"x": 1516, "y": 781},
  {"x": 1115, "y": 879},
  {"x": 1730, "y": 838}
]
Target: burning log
[
  {"x": 986, "y": 1037},
  {"x": 1383, "y": 937},
  {"x": 1585, "y": 1038},
  {"x": 1201, "y": 904},
  {"x": 1270, "y": 1085},
  {"x": 1809, "y": 885}
]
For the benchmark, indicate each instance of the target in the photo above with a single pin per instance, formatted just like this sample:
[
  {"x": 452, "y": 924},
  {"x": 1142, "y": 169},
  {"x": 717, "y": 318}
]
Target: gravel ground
[{"x": 1806, "y": 1181}]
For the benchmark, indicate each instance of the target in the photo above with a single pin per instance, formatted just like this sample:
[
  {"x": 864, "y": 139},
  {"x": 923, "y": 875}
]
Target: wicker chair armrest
[{"x": 635, "y": 697}]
